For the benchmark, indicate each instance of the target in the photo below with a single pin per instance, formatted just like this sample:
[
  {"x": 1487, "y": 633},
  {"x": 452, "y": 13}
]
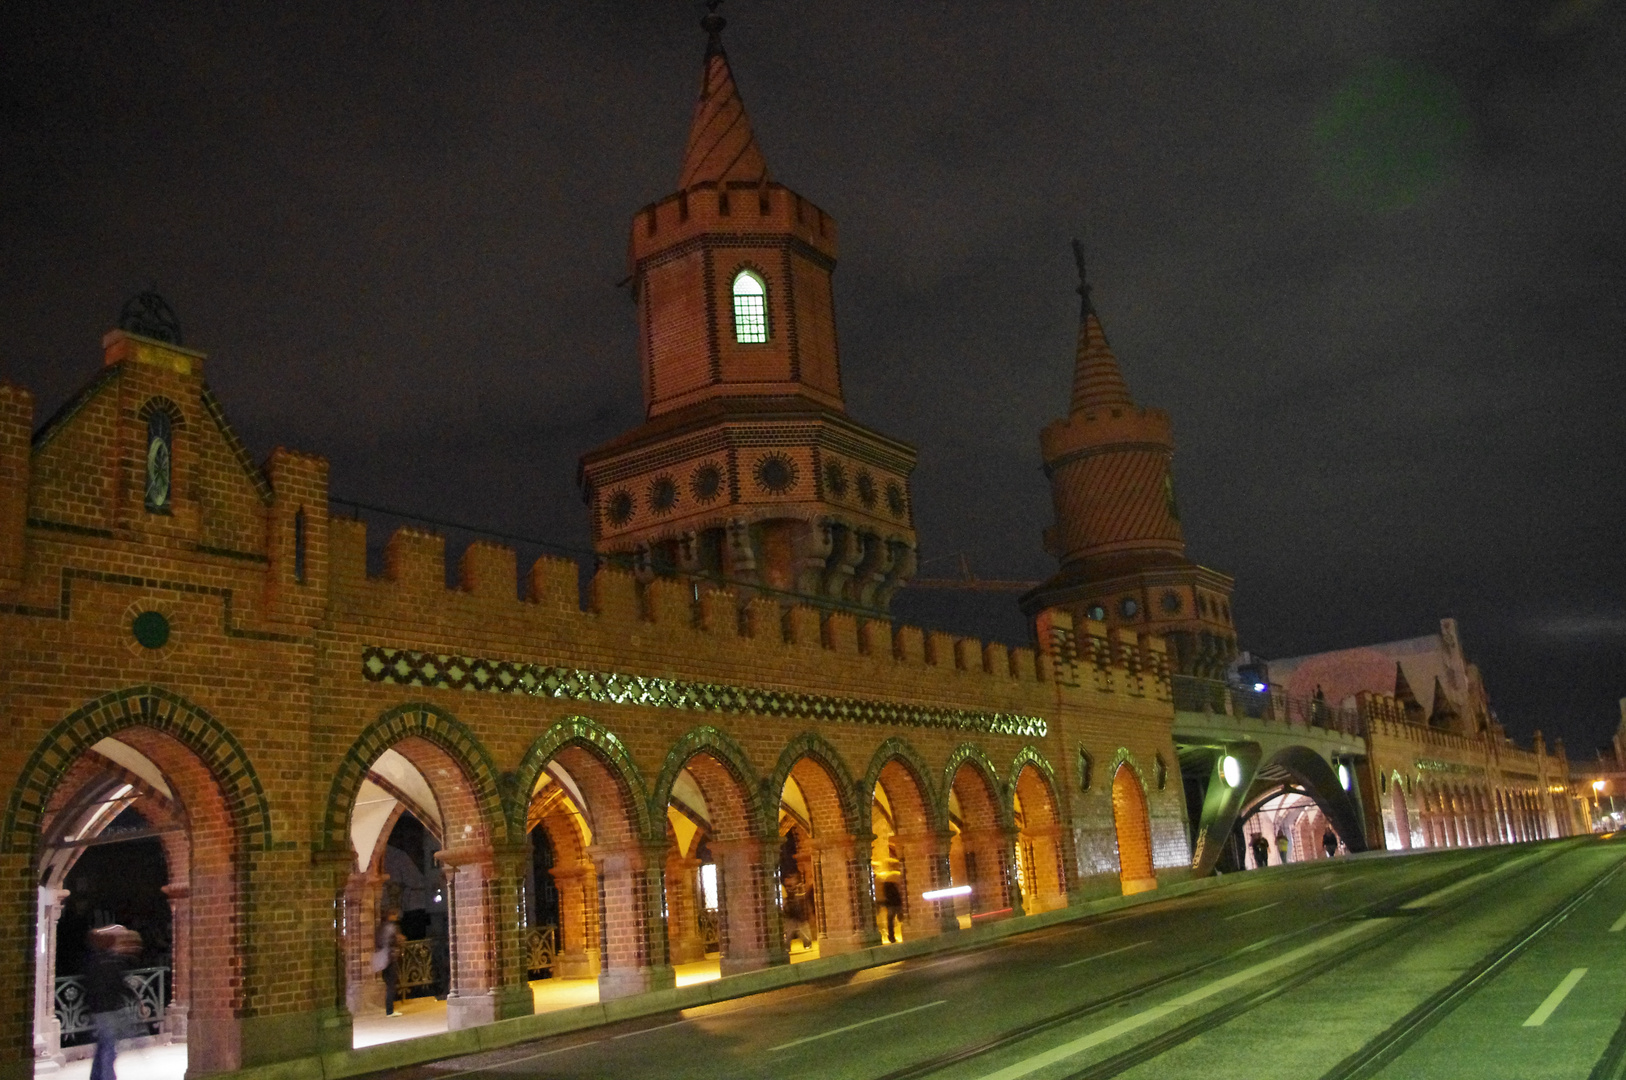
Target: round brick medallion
[{"x": 151, "y": 629}]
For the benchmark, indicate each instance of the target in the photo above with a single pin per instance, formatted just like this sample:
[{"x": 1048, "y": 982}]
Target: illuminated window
[{"x": 750, "y": 309}]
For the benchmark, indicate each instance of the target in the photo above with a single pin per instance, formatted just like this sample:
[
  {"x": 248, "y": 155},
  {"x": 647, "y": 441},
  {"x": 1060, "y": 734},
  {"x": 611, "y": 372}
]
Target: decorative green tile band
[{"x": 402, "y": 667}]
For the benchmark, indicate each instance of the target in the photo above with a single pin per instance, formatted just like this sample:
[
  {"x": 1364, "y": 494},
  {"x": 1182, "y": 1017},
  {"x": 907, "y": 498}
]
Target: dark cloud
[{"x": 1368, "y": 255}]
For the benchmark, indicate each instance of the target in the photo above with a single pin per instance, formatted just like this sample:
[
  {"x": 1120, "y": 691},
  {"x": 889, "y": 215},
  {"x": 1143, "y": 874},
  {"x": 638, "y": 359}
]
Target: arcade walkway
[{"x": 1499, "y": 962}]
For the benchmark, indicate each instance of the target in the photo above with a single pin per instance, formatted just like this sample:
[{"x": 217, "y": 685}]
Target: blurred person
[
  {"x": 1261, "y": 850},
  {"x": 797, "y": 911},
  {"x": 111, "y": 948},
  {"x": 387, "y": 956},
  {"x": 892, "y": 899},
  {"x": 1281, "y": 846},
  {"x": 1329, "y": 840}
]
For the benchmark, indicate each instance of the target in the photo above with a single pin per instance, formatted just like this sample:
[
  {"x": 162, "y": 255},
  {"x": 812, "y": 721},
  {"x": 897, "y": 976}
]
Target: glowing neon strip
[{"x": 944, "y": 894}]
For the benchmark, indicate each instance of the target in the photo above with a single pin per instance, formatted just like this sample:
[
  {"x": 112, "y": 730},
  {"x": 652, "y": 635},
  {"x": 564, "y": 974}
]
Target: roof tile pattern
[
  {"x": 721, "y": 145},
  {"x": 1097, "y": 380}
]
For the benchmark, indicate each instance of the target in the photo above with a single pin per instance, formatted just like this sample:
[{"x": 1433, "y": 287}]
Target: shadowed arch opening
[
  {"x": 708, "y": 782},
  {"x": 909, "y": 855},
  {"x": 831, "y": 896},
  {"x": 1134, "y": 828},
  {"x": 186, "y": 782},
  {"x": 610, "y": 901}
]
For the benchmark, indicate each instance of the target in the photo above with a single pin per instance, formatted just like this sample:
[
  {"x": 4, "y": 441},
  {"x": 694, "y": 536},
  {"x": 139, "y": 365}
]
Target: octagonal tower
[
  {"x": 1117, "y": 533},
  {"x": 747, "y": 468}
]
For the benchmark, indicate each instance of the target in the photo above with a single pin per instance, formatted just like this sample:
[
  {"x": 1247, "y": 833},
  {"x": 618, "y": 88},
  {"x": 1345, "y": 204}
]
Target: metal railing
[
  {"x": 541, "y": 947},
  {"x": 146, "y": 992},
  {"x": 1196, "y": 695}
]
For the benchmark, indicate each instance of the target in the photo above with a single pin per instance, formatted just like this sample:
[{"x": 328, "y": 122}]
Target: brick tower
[
  {"x": 1117, "y": 532},
  {"x": 747, "y": 468}
]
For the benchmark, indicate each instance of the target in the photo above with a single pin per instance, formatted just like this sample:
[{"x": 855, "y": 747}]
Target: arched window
[
  {"x": 750, "y": 309},
  {"x": 160, "y": 461}
]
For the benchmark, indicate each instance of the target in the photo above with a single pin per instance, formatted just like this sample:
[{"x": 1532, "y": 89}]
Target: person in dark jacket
[
  {"x": 1329, "y": 840},
  {"x": 105, "y": 966},
  {"x": 892, "y": 898},
  {"x": 1261, "y": 850}
]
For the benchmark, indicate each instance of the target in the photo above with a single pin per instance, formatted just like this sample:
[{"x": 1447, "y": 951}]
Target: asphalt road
[{"x": 1499, "y": 962}]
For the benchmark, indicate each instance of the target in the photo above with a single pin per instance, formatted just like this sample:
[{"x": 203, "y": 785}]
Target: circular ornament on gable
[
  {"x": 1171, "y": 602},
  {"x": 150, "y": 629},
  {"x": 619, "y": 508},
  {"x": 1128, "y": 608},
  {"x": 835, "y": 478},
  {"x": 663, "y": 494},
  {"x": 776, "y": 474},
  {"x": 894, "y": 499},
  {"x": 1097, "y": 612},
  {"x": 706, "y": 483},
  {"x": 866, "y": 488}
]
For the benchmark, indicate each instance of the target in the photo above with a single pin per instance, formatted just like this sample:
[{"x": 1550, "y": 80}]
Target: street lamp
[{"x": 1231, "y": 769}]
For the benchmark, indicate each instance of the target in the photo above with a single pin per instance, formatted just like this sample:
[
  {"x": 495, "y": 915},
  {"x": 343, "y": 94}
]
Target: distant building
[{"x": 1440, "y": 769}]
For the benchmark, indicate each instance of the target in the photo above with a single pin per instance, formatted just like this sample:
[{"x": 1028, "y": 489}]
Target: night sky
[{"x": 1371, "y": 257}]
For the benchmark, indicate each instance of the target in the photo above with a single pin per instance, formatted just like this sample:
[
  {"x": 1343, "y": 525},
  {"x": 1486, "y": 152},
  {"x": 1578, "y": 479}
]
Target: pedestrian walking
[
  {"x": 1261, "y": 850},
  {"x": 798, "y": 913},
  {"x": 110, "y": 950},
  {"x": 892, "y": 898},
  {"x": 1329, "y": 840},
  {"x": 1281, "y": 846},
  {"x": 387, "y": 956}
]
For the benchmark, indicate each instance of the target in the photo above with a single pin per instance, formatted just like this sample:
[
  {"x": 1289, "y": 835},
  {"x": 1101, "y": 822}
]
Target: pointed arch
[
  {"x": 434, "y": 725},
  {"x": 602, "y": 744},
  {"x": 810, "y": 744},
  {"x": 911, "y": 761},
  {"x": 721, "y": 747},
  {"x": 1132, "y": 822},
  {"x": 1030, "y": 755},
  {"x": 983, "y": 764},
  {"x": 138, "y": 706}
]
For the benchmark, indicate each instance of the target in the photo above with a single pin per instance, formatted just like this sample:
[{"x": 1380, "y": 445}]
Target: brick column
[
  {"x": 47, "y": 1028},
  {"x": 993, "y": 890},
  {"x": 578, "y": 921},
  {"x": 632, "y": 934},
  {"x": 471, "y": 884},
  {"x": 924, "y": 859},
  {"x": 180, "y": 959},
  {"x": 846, "y": 894},
  {"x": 509, "y": 879},
  {"x": 750, "y": 932},
  {"x": 364, "y": 990},
  {"x": 685, "y": 942}
]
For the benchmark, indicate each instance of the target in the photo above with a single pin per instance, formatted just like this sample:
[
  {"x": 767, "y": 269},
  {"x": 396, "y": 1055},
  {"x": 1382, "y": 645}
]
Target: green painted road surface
[{"x": 1484, "y": 963}]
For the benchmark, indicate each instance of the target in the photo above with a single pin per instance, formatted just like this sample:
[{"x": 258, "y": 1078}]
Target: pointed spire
[
  {"x": 1097, "y": 380},
  {"x": 721, "y": 146}
]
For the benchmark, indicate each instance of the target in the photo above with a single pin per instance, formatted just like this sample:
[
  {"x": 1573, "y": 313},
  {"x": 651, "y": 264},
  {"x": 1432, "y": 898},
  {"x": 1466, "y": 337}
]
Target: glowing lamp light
[
  {"x": 1231, "y": 769},
  {"x": 944, "y": 894},
  {"x": 1599, "y": 785},
  {"x": 1260, "y": 687},
  {"x": 1343, "y": 776}
]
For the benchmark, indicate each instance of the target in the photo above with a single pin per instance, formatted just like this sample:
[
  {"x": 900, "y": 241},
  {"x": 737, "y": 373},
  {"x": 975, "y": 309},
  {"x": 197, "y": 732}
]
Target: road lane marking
[
  {"x": 1439, "y": 894},
  {"x": 1250, "y": 911},
  {"x": 1340, "y": 884},
  {"x": 516, "y": 1061},
  {"x": 657, "y": 1027},
  {"x": 1555, "y": 999},
  {"x": 1620, "y": 924},
  {"x": 1102, "y": 956},
  {"x": 1158, "y": 1012},
  {"x": 852, "y": 1027}
]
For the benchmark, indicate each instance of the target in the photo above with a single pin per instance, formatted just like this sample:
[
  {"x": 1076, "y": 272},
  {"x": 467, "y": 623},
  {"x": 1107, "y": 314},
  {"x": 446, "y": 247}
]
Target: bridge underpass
[{"x": 1243, "y": 750}]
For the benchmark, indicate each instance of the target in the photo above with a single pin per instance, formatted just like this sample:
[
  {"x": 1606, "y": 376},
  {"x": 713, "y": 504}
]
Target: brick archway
[
  {"x": 981, "y": 850},
  {"x": 1039, "y": 832},
  {"x": 623, "y": 785},
  {"x": 1133, "y": 824},
  {"x": 434, "y": 726},
  {"x": 219, "y": 798},
  {"x": 837, "y": 865},
  {"x": 743, "y": 842},
  {"x": 148, "y": 707},
  {"x": 915, "y": 856}
]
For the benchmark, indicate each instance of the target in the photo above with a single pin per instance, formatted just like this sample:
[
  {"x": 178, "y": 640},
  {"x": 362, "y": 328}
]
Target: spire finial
[
  {"x": 713, "y": 24},
  {"x": 1086, "y": 307}
]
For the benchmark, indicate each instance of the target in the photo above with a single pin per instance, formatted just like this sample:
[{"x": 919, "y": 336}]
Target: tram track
[{"x": 1390, "y": 903}]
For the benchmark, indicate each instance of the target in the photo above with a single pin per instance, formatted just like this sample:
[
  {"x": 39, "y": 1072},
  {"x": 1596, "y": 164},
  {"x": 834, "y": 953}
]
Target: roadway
[{"x": 1496, "y": 962}]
